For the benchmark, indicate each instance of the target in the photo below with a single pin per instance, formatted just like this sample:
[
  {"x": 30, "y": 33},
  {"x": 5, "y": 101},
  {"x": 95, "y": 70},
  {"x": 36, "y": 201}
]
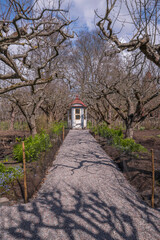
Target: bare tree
[
  {"x": 24, "y": 29},
  {"x": 51, "y": 98},
  {"x": 13, "y": 117},
  {"x": 134, "y": 97},
  {"x": 143, "y": 17},
  {"x": 91, "y": 62},
  {"x": 56, "y": 101},
  {"x": 100, "y": 110},
  {"x": 28, "y": 101}
]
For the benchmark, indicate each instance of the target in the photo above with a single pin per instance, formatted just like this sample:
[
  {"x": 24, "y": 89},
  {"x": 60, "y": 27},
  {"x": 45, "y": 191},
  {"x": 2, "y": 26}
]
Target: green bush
[
  {"x": 106, "y": 132},
  {"x": 127, "y": 145},
  {"x": 57, "y": 127},
  {"x": 89, "y": 124},
  {"x": 142, "y": 128},
  {"x": 2, "y": 168},
  {"x": 116, "y": 138},
  {"x": 33, "y": 147}
]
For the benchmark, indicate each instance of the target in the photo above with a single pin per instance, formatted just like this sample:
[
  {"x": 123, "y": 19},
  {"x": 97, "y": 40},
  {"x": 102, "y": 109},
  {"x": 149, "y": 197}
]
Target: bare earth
[{"x": 84, "y": 197}]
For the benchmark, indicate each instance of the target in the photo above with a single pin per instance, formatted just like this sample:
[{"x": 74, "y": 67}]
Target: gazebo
[{"x": 77, "y": 114}]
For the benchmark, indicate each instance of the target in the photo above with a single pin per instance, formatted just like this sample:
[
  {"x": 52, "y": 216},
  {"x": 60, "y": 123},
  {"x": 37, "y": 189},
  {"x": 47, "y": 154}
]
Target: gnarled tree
[
  {"x": 133, "y": 95},
  {"x": 24, "y": 29},
  {"x": 143, "y": 17},
  {"x": 91, "y": 62}
]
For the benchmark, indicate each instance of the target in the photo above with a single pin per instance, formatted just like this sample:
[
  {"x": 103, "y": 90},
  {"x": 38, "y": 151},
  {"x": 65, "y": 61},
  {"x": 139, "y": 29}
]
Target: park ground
[
  {"x": 84, "y": 196},
  {"x": 136, "y": 168}
]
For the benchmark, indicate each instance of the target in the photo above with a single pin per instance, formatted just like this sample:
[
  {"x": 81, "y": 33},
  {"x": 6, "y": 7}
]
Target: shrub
[
  {"x": 127, "y": 145},
  {"x": 33, "y": 147},
  {"x": 142, "y": 128},
  {"x": 2, "y": 168},
  {"x": 106, "y": 132},
  {"x": 89, "y": 124},
  {"x": 57, "y": 127},
  {"x": 116, "y": 138}
]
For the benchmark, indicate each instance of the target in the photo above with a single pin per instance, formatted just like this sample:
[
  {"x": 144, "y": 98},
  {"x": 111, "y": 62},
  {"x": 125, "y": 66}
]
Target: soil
[
  {"x": 8, "y": 140},
  {"x": 138, "y": 167},
  {"x": 36, "y": 171}
]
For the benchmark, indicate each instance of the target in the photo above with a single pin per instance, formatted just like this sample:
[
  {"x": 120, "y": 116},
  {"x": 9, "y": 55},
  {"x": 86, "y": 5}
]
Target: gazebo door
[{"x": 78, "y": 120}]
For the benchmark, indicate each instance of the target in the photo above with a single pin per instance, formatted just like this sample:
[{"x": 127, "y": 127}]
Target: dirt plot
[
  {"x": 138, "y": 168},
  {"x": 8, "y": 140},
  {"x": 36, "y": 171}
]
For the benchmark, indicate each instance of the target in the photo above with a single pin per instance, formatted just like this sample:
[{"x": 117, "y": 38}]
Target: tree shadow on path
[{"x": 84, "y": 216}]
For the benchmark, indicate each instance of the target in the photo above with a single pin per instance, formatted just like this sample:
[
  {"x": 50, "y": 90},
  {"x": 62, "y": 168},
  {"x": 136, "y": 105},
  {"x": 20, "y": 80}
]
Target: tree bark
[
  {"x": 50, "y": 118},
  {"x": 32, "y": 125},
  {"x": 12, "y": 119},
  {"x": 129, "y": 131}
]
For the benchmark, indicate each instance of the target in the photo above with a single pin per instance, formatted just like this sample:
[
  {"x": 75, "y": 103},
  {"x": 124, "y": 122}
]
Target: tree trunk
[
  {"x": 12, "y": 119},
  {"x": 129, "y": 131},
  {"x": 50, "y": 118},
  {"x": 32, "y": 125},
  {"x": 109, "y": 114}
]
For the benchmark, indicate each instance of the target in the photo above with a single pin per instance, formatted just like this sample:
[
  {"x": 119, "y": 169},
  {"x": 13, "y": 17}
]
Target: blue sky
[
  {"x": 81, "y": 9},
  {"x": 84, "y": 10}
]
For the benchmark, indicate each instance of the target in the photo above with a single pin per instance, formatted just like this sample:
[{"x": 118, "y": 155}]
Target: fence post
[
  {"x": 63, "y": 133},
  {"x": 24, "y": 169},
  {"x": 153, "y": 177}
]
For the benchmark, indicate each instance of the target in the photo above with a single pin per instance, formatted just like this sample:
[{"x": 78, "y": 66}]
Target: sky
[
  {"x": 81, "y": 9},
  {"x": 84, "y": 10}
]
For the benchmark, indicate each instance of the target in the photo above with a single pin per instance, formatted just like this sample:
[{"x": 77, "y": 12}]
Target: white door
[{"x": 78, "y": 120}]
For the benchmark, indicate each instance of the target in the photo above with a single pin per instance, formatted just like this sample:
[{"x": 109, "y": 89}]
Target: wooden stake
[
  {"x": 153, "y": 177},
  {"x": 63, "y": 133},
  {"x": 24, "y": 169}
]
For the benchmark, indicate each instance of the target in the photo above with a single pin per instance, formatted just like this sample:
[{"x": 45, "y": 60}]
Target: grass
[
  {"x": 20, "y": 126},
  {"x": 5, "y": 125}
]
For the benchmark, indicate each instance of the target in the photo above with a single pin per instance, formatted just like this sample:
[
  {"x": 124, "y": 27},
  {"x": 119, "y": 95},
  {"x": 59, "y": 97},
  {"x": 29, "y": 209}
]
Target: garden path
[{"x": 84, "y": 197}]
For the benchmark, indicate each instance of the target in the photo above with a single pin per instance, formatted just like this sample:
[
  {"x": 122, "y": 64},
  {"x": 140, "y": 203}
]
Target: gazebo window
[{"x": 77, "y": 113}]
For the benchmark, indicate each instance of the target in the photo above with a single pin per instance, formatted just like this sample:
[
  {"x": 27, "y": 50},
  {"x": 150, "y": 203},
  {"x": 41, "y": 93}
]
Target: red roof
[{"x": 78, "y": 101}]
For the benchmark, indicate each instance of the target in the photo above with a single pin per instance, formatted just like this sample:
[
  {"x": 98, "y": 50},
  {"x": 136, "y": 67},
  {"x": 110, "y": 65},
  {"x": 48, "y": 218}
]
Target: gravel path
[{"x": 84, "y": 197}]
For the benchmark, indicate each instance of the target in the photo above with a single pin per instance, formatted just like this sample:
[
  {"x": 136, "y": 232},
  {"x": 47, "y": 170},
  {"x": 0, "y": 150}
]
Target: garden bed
[
  {"x": 36, "y": 170},
  {"x": 8, "y": 140},
  {"x": 137, "y": 168}
]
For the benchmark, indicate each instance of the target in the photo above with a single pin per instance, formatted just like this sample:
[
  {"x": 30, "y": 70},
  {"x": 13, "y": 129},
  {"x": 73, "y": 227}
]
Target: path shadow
[
  {"x": 88, "y": 217},
  {"x": 70, "y": 214},
  {"x": 77, "y": 159}
]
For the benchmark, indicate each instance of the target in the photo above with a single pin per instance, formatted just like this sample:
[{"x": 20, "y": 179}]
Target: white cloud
[{"x": 85, "y": 11}]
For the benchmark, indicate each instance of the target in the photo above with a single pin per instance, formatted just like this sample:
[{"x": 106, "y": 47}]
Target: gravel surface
[{"x": 84, "y": 197}]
